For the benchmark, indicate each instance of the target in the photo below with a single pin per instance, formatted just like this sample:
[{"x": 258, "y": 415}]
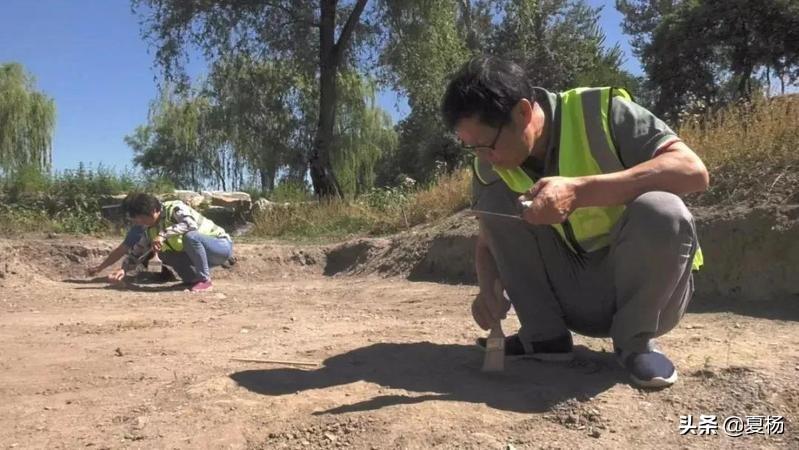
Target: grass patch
[
  {"x": 381, "y": 211},
  {"x": 750, "y": 152},
  {"x": 65, "y": 202}
]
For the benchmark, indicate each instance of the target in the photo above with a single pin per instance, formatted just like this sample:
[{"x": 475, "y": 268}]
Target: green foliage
[
  {"x": 27, "y": 122},
  {"x": 66, "y": 202},
  {"x": 313, "y": 220},
  {"x": 293, "y": 191},
  {"x": 703, "y": 54},
  {"x": 180, "y": 142},
  {"x": 264, "y": 111},
  {"x": 425, "y": 43},
  {"x": 559, "y": 42},
  {"x": 318, "y": 38},
  {"x": 363, "y": 134}
]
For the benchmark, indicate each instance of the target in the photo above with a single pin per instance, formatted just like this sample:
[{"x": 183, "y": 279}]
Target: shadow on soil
[
  {"x": 445, "y": 372},
  {"x": 154, "y": 287}
]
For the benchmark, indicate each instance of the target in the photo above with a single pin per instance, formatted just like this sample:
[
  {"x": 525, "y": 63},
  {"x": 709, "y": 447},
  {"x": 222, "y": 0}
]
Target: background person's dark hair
[
  {"x": 486, "y": 87},
  {"x": 140, "y": 204}
]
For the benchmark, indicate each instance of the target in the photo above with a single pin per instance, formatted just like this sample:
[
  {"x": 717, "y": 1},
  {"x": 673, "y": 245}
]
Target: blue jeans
[{"x": 199, "y": 254}]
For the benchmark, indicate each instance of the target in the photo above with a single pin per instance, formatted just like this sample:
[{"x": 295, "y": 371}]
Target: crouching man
[{"x": 607, "y": 247}]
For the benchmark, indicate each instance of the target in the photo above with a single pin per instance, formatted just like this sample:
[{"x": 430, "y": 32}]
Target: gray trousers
[{"x": 632, "y": 291}]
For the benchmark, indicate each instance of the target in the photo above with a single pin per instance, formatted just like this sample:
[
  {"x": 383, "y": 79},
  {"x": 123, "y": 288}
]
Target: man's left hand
[{"x": 551, "y": 200}]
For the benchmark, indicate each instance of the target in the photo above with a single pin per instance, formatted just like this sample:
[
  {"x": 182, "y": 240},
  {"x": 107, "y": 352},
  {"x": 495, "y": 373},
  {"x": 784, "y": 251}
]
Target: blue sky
[{"x": 89, "y": 56}]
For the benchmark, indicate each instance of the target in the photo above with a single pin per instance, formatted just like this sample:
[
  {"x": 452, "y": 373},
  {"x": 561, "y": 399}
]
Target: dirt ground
[{"x": 86, "y": 366}]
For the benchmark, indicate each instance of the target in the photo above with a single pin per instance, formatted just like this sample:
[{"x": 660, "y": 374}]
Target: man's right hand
[
  {"x": 489, "y": 308},
  {"x": 116, "y": 276}
]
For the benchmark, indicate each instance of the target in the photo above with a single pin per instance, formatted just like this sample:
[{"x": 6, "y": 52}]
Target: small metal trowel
[{"x": 477, "y": 212}]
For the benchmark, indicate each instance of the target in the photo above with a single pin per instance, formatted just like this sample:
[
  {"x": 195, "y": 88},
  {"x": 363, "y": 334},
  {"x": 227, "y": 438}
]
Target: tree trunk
[
  {"x": 322, "y": 175},
  {"x": 267, "y": 174},
  {"x": 330, "y": 53}
]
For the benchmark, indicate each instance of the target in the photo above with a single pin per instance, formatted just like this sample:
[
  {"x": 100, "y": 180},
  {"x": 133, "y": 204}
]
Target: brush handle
[
  {"x": 496, "y": 327},
  {"x": 496, "y": 331}
]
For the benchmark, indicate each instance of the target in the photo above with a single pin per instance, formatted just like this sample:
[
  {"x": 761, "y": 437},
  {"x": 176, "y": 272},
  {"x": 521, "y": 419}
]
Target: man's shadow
[{"x": 445, "y": 372}]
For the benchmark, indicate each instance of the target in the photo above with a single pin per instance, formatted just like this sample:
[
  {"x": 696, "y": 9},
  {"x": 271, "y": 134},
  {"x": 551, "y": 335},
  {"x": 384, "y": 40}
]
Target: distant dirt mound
[
  {"x": 37, "y": 260},
  {"x": 442, "y": 252},
  {"x": 750, "y": 254},
  {"x": 274, "y": 260}
]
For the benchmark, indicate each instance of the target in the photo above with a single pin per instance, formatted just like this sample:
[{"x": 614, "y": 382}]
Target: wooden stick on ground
[{"x": 277, "y": 361}]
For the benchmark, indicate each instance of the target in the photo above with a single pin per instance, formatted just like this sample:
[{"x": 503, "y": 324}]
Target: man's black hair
[
  {"x": 140, "y": 204},
  {"x": 486, "y": 87}
]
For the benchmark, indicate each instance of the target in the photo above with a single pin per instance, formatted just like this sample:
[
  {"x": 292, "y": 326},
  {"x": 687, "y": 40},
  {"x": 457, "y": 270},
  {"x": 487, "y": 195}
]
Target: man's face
[
  {"x": 146, "y": 220},
  {"x": 506, "y": 146}
]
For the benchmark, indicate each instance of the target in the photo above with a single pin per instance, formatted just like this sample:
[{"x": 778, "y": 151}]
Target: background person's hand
[
  {"x": 551, "y": 200},
  {"x": 489, "y": 308},
  {"x": 158, "y": 242},
  {"x": 92, "y": 270},
  {"x": 116, "y": 276}
]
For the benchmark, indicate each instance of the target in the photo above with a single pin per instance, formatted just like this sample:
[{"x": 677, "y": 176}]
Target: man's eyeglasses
[{"x": 477, "y": 150}]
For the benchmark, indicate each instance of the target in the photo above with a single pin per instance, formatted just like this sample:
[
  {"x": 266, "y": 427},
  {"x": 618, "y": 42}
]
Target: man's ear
[{"x": 523, "y": 113}]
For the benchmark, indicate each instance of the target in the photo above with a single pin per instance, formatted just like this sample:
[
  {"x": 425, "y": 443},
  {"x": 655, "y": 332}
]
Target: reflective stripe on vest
[
  {"x": 205, "y": 226},
  {"x": 585, "y": 147}
]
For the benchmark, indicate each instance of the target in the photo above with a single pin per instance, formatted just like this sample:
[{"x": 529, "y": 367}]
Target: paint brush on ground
[
  {"x": 495, "y": 343},
  {"x": 495, "y": 350}
]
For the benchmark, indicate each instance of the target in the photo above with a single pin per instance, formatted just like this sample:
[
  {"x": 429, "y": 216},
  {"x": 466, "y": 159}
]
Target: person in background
[{"x": 183, "y": 238}]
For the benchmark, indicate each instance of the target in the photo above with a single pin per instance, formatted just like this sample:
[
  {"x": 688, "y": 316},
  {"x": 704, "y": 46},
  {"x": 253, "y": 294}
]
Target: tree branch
[
  {"x": 291, "y": 13},
  {"x": 349, "y": 27}
]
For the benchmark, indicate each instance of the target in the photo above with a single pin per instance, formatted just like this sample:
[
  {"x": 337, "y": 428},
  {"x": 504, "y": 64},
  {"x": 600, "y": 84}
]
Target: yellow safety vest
[
  {"x": 585, "y": 147},
  {"x": 175, "y": 243}
]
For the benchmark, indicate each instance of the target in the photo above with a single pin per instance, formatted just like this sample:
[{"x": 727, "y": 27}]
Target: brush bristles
[{"x": 495, "y": 355}]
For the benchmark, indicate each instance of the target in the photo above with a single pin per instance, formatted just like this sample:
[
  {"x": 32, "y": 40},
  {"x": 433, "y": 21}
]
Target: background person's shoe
[
  {"x": 201, "y": 286},
  {"x": 558, "y": 349}
]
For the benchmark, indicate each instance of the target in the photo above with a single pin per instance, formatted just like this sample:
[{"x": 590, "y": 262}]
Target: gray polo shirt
[{"x": 637, "y": 133}]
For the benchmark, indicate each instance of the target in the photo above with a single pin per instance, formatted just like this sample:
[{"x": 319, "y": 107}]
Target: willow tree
[
  {"x": 424, "y": 42},
  {"x": 27, "y": 121},
  {"x": 363, "y": 134},
  {"x": 265, "y": 110},
  {"x": 319, "y": 34},
  {"x": 180, "y": 143}
]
